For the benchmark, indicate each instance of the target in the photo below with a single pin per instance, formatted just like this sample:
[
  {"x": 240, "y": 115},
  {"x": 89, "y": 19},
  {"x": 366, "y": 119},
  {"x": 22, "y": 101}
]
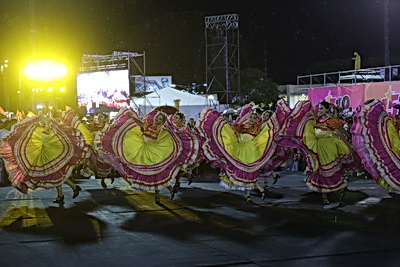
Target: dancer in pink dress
[
  {"x": 377, "y": 142},
  {"x": 322, "y": 141},
  {"x": 240, "y": 150},
  {"x": 40, "y": 153},
  {"x": 147, "y": 153}
]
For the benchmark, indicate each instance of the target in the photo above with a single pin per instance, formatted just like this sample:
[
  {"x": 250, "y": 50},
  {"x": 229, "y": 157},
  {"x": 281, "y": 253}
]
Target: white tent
[{"x": 190, "y": 104}]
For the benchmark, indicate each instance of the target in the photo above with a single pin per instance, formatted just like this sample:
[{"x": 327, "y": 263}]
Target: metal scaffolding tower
[{"x": 222, "y": 57}]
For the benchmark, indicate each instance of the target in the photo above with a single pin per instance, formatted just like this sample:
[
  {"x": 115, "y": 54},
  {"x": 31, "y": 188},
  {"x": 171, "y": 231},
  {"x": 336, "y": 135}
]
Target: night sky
[{"x": 291, "y": 36}]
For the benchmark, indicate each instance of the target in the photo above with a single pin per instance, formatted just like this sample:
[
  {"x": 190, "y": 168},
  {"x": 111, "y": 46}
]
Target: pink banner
[
  {"x": 355, "y": 95},
  {"x": 342, "y": 96},
  {"x": 387, "y": 92}
]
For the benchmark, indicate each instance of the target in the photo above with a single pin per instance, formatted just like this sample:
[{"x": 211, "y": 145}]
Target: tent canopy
[
  {"x": 190, "y": 104},
  {"x": 167, "y": 95}
]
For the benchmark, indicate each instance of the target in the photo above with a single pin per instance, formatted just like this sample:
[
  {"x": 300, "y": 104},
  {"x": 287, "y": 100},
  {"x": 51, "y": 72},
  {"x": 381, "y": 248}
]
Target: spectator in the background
[
  {"x": 348, "y": 123},
  {"x": 349, "y": 112},
  {"x": 293, "y": 164},
  {"x": 296, "y": 160},
  {"x": 5, "y": 127},
  {"x": 191, "y": 123}
]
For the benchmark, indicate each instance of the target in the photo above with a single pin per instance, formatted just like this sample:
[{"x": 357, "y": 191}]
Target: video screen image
[{"x": 109, "y": 88}]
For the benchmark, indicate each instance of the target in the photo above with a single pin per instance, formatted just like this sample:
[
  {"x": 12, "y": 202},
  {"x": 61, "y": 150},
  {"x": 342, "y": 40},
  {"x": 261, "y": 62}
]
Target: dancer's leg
[
  {"x": 248, "y": 198},
  {"x": 60, "y": 195},
  {"x": 75, "y": 188},
  {"x": 262, "y": 190}
]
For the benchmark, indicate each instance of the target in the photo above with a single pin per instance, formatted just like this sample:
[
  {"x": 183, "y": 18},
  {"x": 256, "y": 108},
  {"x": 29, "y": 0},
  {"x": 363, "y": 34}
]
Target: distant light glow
[{"x": 45, "y": 70}]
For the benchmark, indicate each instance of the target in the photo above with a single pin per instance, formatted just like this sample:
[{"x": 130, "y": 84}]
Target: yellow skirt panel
[
  {"x": 43, "y": 148},
  {"x": 245, "y": 148},
  {"x": 139, "y": 152}
]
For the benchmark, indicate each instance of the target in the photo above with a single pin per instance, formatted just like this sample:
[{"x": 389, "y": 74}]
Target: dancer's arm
[
  {"x": 137, "y": 121},
  {"x": 344, "y": 136}
]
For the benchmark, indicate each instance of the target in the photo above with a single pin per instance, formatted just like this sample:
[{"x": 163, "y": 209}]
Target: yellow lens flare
[{"x": 45, "y": 70}]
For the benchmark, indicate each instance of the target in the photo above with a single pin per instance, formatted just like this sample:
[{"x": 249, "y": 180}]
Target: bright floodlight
[{"x": 45, "y": 70}]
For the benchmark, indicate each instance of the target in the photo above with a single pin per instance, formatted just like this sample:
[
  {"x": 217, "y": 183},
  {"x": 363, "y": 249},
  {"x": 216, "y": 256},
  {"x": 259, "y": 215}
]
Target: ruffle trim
[{"x": 372, "y": 142}]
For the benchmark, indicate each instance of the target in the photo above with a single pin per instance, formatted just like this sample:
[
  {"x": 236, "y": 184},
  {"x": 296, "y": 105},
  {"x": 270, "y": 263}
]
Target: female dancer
[
  {"x": 146, "y": 153},
  {"x": 377, "y": 142},
  {"x": 317, "y": 136},
  {"x": 39, "y": 153},
  {"x": 241, "y": 150},
  {"x": 178, "y": 124},
  {"x": 102, "y": 170}
]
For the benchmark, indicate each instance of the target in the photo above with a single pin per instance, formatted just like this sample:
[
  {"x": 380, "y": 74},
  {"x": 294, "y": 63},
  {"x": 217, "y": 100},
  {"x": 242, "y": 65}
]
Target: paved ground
[{"x": 205, "y": 225}]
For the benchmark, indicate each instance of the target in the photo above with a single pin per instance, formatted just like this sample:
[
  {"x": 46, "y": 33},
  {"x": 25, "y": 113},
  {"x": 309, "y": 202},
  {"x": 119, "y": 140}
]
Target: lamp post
[{"x": 387, "y": 40}]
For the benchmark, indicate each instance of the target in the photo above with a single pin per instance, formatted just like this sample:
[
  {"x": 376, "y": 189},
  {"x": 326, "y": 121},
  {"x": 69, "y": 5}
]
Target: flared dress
[
  {"x": 40, "y": 153},
  {"x": 148, "y": 158},
  {"x": 239, "y": 155},
  {"x": 377, "y": 142},
  {"x": 327, "y": 156}
]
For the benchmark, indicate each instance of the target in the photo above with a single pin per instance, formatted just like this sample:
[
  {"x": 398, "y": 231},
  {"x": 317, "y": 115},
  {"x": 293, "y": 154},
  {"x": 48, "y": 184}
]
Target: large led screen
[{"x": 109, "y": 88}]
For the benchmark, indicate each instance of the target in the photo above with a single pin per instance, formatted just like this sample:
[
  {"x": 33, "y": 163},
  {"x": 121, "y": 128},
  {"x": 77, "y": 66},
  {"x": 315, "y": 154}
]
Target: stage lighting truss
[{"x": 116, "y": 61}]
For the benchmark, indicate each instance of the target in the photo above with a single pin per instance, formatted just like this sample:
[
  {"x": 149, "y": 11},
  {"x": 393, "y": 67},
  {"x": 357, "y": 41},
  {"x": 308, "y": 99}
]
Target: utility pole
[{"x": 387, "y": 41}]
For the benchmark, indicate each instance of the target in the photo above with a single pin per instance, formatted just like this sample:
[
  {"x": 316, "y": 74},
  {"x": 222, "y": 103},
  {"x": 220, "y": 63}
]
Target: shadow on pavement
[
  {"x": 200, "y": 212},
  {"x": 71, "y": 225}
]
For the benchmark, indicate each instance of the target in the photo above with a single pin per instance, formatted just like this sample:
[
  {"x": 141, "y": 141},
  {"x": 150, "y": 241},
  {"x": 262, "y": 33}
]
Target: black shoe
[
  {"x": 103, "y": 183},
  {"x": 263, "y": 194},
  {"x": 172, "y": 195},
  {"x": 248, "y": 199},
  {"x": 59, "y": 200},
  {"x": 76, "y": 191},
  {"x": 172, "y": 192},
  {"x": 276, "y": 177}
]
